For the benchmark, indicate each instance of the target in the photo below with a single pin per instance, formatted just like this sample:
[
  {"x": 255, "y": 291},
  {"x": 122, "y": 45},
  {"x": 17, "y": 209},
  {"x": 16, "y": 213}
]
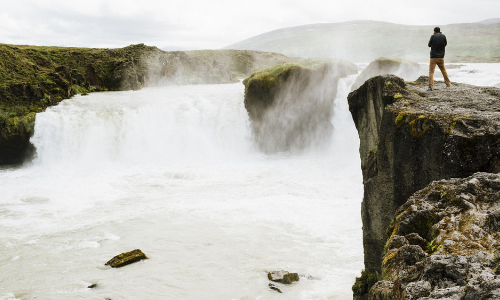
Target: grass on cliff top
[
  {"x": 26, "y": 64},
  {"x": 23, "y": 63},
  {"x": 25, "y": 68},
  {"x": 268, "y": 77}
]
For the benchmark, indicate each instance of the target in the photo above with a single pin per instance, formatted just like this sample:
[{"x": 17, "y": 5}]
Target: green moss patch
[
  {"x": 400, "y": 119},
  {"x": 269, "y": 77},
  {"x": 364, "y": 283}
]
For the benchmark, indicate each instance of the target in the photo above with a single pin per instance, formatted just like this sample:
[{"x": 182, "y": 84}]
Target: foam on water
[
  {"x": 173, "y": 171},
  {"x": 479, "y": 74}
]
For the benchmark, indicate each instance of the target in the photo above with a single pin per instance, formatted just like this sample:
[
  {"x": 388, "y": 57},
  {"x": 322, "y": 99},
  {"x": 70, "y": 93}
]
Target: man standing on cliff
[{"x": 437, "y": 44}]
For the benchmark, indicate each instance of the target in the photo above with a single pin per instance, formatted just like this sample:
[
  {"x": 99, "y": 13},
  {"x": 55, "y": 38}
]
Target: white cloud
[{"x": 207, "y": 24}]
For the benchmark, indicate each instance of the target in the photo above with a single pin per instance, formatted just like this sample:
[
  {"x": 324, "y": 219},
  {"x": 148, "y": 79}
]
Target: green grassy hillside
[{"x": 364, "y": 41}]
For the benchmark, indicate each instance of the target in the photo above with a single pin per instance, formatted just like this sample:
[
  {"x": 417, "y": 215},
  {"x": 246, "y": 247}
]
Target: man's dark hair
[{"x": 437, "y": 29}]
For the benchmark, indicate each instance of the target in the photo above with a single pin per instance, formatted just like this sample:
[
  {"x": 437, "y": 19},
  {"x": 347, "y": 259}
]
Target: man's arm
[
  {"x": 445, "y": 42},
  {"x": 430, "y": 42}
]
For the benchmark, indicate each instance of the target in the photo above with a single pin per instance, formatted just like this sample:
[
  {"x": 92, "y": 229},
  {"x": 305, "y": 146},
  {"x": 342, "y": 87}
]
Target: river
[{"x": 173, "y": 171}]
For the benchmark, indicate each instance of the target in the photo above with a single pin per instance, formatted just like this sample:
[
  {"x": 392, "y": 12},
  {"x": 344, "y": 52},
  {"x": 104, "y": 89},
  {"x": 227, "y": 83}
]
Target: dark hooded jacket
[{"x": 437, "y": 44}]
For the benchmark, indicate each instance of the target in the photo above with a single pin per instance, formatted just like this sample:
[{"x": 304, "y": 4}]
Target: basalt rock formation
[
  {"x": 444, "y": 243},
  {"x": 406, "y": 69},
  {"x": 409, "y": 138},
  {"x": 291, "y": 105},
  {"x": 33, "y": 78}
]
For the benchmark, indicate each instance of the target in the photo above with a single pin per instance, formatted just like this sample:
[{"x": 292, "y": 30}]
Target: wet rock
[
  {"x": 283, "y": 277},
  {"x": 92, "y": 286},
  {"x": 126, "y": 258},
  {"x": 291, "y": 105},
  {"x": 274, "y": 288},
  {"x": 15, "y": 134}
]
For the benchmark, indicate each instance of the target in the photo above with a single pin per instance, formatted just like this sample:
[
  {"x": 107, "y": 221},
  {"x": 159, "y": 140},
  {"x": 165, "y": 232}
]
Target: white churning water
[{"x": 173, "y": 171}]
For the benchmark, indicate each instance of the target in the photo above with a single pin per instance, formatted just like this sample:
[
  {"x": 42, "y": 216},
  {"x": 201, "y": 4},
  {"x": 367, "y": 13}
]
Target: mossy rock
[
  {"x": 126, "y": 258},
  {"x": 460, "y": 218},
  {"x": 363, "y": 284},
  {"x": 283, "y": 277},
  {"x": 270, "y": 77},
  {"x": 290, "y": 105}
]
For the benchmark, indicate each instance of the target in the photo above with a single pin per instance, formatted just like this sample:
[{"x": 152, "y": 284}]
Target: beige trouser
[{"x": 440, "y": 63}]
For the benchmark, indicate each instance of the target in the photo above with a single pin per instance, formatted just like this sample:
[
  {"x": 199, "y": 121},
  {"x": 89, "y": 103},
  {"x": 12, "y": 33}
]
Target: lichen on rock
[
  {"x": 420, "y": 137},
  {"x": 464, "y": 265}
]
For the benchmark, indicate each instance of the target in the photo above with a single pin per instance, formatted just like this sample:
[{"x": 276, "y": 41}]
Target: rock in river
[
  {"x": 283, "y": 277},
  {"x": 126, "y": 258},
  {"x": 291, "y": 105}
]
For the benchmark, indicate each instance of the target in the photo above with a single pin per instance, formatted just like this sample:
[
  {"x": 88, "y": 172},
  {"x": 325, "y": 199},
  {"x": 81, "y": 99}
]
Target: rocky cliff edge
[
  {"x": 409, "y": 138},
  {"x": 444, "y": 243}
]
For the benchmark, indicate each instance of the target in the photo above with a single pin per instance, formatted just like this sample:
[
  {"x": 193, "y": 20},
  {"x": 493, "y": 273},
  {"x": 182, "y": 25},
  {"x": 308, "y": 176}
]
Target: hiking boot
[{"x": 429, "y": 89}]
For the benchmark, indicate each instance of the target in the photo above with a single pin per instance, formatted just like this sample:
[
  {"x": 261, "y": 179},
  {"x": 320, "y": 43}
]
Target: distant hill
[
  {"x": 364, "y": 41},
  {"x": 490, "y": 21}
]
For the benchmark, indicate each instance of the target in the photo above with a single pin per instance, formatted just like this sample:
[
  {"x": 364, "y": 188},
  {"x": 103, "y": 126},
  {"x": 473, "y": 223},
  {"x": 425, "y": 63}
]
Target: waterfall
[
  {"x": 174, "y": 171},
  {"x": 152, "y": 126}
]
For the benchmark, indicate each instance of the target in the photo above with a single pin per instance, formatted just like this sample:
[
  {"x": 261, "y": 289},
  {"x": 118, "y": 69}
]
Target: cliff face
[
  {"x": 33, "y": 78},
  {"x": 444, "y": 243},
  {"x": 291, "y": 105},
  {"x": 409, "y": 138}
]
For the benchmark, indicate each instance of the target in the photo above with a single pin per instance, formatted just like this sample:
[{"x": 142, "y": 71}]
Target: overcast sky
[{"x": 198, "y": 24}]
